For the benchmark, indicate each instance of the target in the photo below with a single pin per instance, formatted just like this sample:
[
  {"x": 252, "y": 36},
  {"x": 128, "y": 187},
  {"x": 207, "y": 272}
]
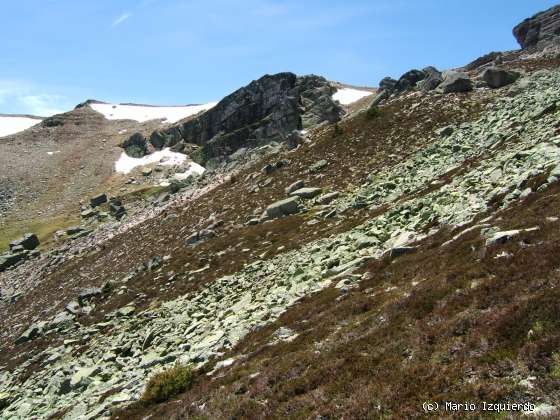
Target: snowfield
[
  {"x": 347, "y": 95},
  {"x": 143, "y": 113},
  {"x": 11, "y": 125},
  {"x": 125, "y": 164}
]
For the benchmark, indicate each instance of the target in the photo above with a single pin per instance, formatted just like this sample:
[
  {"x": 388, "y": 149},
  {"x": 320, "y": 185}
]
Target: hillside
[{"x": 318, "y": 251}]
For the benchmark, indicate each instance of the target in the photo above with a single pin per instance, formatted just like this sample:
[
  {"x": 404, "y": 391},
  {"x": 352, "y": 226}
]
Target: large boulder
[
  {"x": 29, "y": 241},
  {"x": 432, "y": 79},
  {"x": 409, "y": 80},
  {"x": 539, "y": 30},
  {"x": 281, "y": 208},
  {"x": 267, "y": 110},
  {"x": 496, "y": 77},
  {"x": 98, "y": 200},
  {"x": 135, "y": 146},
  {"x": 455, "y": 81},
  {"x": 388, "y": 84}
]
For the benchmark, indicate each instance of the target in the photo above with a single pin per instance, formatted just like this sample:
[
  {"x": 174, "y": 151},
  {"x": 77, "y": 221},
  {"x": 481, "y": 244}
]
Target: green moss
[{"x": 164, "y": 385}]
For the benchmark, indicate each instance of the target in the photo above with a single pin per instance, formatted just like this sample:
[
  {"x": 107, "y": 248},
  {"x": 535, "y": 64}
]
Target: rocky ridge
[{"x": 268, "y": 109}]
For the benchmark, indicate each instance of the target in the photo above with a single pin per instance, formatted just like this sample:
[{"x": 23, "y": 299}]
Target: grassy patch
[
  {"x": 43, "y": 228},
  {"x": 166, "y": 384}
]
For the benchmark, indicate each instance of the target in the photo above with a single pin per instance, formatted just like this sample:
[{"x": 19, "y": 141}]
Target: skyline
[{"x": 174, "y": 52}]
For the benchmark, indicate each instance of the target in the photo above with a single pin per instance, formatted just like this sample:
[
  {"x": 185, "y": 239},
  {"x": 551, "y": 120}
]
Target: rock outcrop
[
  {"x": 268, "y": 109},
  {"x": 540, "y": 29}
]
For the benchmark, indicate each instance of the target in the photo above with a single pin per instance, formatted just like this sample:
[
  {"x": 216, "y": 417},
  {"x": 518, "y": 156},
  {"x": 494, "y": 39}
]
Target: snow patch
[
  {"x": 125, "y": 164},
  {"x": 347, "y": 95},
  {"x": 143, "y": 113},
  {"x": 11, "y": 125}
]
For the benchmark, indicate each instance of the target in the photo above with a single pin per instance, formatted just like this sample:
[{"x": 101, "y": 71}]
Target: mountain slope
[{"x": 417, "y": 264}]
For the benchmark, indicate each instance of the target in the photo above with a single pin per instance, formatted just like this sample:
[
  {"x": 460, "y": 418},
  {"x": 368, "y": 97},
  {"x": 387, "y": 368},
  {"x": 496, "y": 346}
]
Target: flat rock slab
[
  {"x": 307, "y": 193},
  {"x": 282, "y": 208}
]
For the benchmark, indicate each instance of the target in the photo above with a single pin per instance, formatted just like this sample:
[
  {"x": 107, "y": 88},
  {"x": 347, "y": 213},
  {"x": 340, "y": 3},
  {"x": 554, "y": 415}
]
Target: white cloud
[
  {"x": 43, "y": 104},
  {"x": 20, "y": 97},
  {"x": 121, "y": 19}
]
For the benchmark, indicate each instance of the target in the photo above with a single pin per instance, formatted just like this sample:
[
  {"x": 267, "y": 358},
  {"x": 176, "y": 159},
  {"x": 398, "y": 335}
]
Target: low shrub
[
  {"x": 373, "y": 112},
  {"x": 168, "y": 383}
]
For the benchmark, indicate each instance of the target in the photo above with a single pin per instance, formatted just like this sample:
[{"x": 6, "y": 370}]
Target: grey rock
[
  {"x": 73, "y": 307},
  {"x": 445, "y": 131},
  {"x": 388, "y": 84},
  {"x": 294, "y": 186},
  {"x": 306, "y": 192},
  {"x": 83, "y": 377},
  {"x": 454, "y": 81},
  {"x": 86, "y": 214},
  {"x": 32, "y": 332},
  {"x": 87, "y": 294},
  {"x": 317, "y": 166},
  {"x": 126, "y": 311},
  {"x": 409, "y": 80},
  {"x": 432, "y": 79},
  {"x": 98, "y": 200},
  {"x": 294, "y": 139},
  {"x": 496, "y": 77},
  {"x": 327, "y": 198},
  {"x": 74, "y": 229},
  {"x": 281, "y": 208},
  {"x": 401, "y": 250},
  {"x": 5, "y": 400},
  {"x": 502, "y": 237},
  {"x": 29, "y": 241},
  {"x": 153, "y": 263},
  {"x": 9, "y": 260}
]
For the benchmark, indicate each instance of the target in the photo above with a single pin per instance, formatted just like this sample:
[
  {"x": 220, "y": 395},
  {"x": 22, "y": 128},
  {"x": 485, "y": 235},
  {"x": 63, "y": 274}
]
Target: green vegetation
[
  {"x": 166, "y": 384},
  {"x": 555, "y": 367},
  {"x": 373, "y": 112},
  {"x": 43, "y": 228}
]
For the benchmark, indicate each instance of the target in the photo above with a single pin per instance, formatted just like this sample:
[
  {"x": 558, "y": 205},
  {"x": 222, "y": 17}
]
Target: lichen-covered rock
[
  {"x": 454, "y": 81},
  {"x": 281, "y": 208},
  {"x": 496, "y": 77}
]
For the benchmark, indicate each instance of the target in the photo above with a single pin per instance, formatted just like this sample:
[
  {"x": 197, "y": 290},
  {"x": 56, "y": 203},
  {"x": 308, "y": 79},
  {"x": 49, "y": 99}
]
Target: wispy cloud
[
  {"x": 20, "y": 97},
  {"x": 121, "y": 19}
]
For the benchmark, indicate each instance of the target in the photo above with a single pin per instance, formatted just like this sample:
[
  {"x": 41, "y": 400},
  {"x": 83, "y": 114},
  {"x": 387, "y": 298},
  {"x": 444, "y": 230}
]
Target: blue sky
[{"x": 57, "y": 53}]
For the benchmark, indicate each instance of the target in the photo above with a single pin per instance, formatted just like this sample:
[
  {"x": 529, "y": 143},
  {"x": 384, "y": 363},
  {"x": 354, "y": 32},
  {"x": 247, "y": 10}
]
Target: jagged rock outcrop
[
  {"x": 539, "y": 30},
  {"x": 266, "y": 110}
]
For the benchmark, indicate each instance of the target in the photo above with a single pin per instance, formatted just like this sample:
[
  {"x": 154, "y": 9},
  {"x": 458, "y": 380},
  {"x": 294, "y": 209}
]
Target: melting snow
[
  {"x": 143, "y": 113},
  {"x": 11, "y": 125},
  {"x": 346, "y": 95},
  {"x": 125, "y": 164}
]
